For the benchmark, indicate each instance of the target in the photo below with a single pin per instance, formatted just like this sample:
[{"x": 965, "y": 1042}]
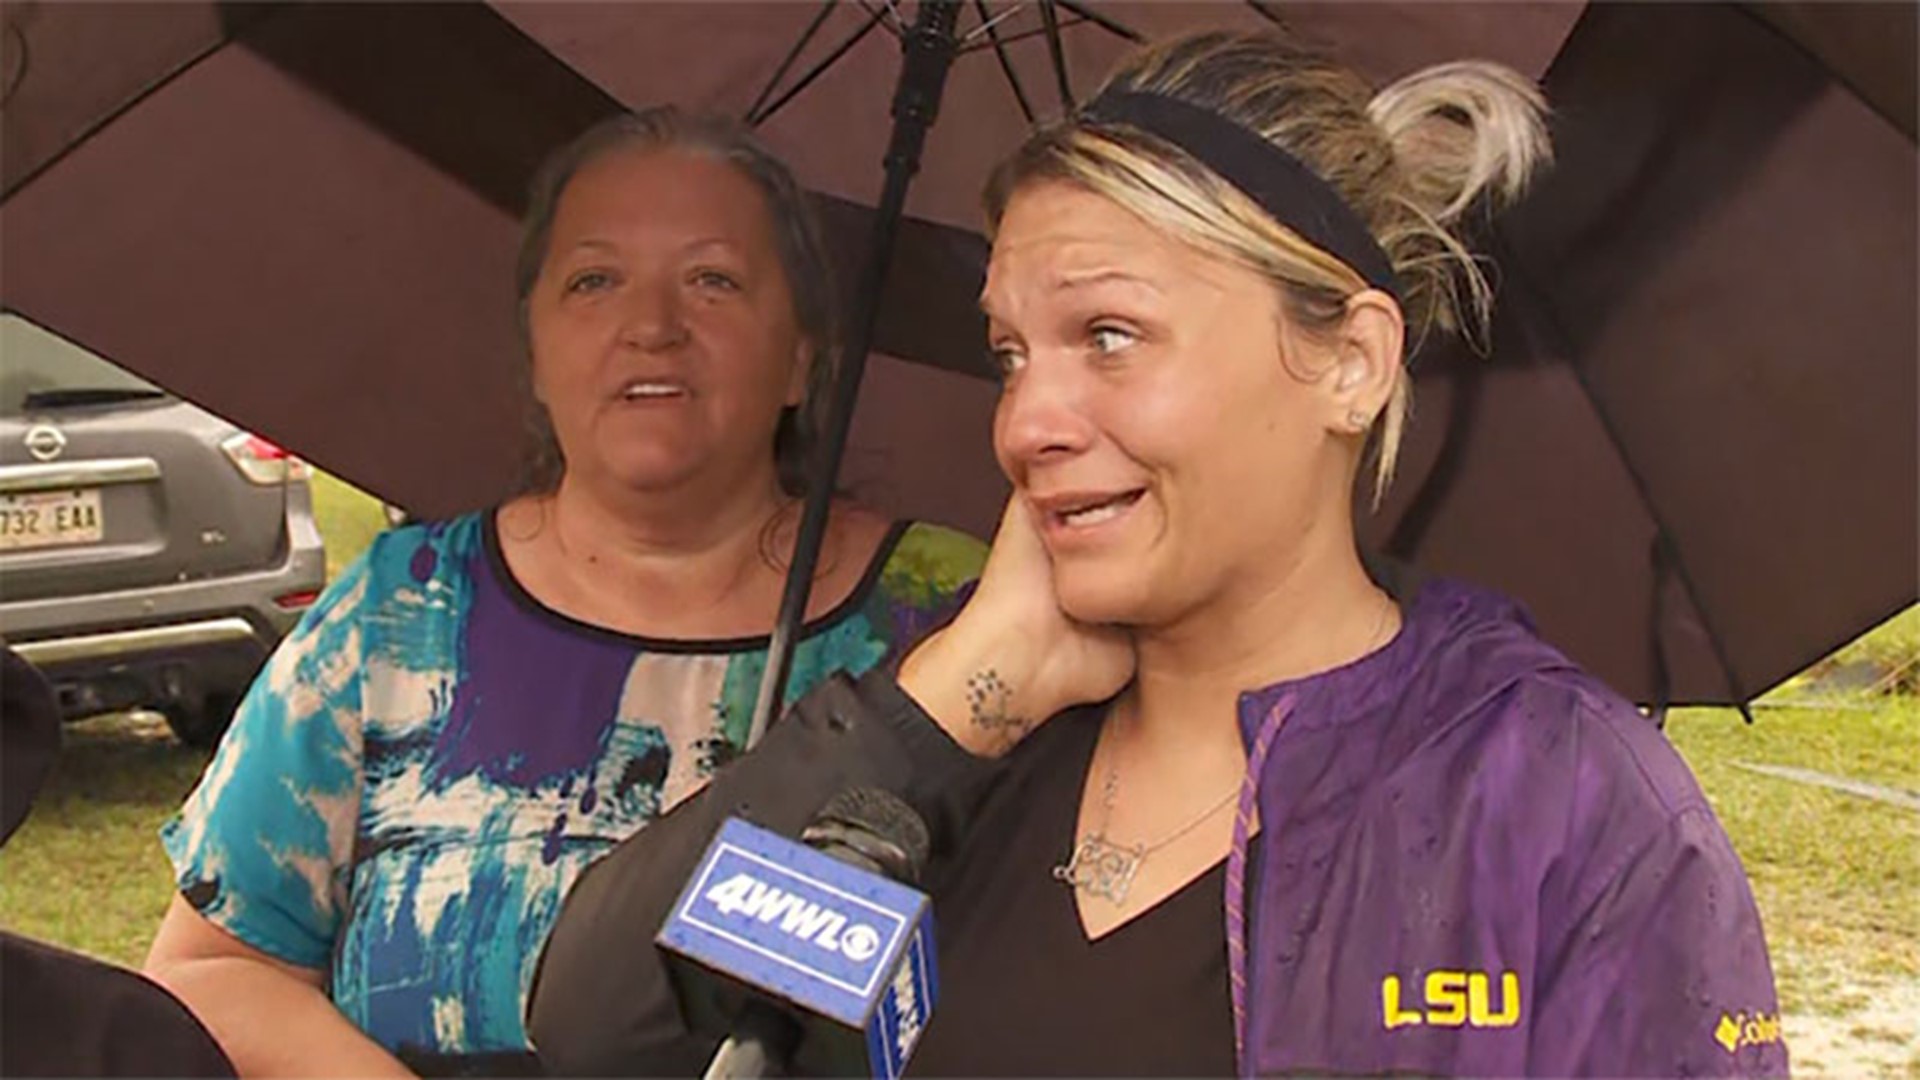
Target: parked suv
[{"x": 151, "y": 553}]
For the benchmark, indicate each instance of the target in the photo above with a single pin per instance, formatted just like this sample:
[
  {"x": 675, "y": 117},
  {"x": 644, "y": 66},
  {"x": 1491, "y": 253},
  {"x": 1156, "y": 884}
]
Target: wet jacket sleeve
[
  {"x": 1666, "y": 972},
  {"x": 601, "y": 1001}
]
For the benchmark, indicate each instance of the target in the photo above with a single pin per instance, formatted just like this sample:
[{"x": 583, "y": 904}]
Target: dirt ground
[{"x": 1875, "y": 1034}]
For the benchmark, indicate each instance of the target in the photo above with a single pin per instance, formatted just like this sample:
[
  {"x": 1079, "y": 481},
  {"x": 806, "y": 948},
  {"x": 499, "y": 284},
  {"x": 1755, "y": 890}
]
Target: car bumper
[
  {"x": 117, "y": 645},
  {"x": 109, "y": 650},
  {"x": 249, "y": 596}
]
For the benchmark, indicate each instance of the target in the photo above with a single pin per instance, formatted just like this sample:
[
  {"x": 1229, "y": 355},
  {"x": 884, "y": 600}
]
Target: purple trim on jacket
[{"x": 1476, "y": 859}]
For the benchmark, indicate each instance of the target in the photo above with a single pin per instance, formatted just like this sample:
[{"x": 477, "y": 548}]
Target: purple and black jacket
[
  {"x": 1473, "y": 859},
  {"x": 1478, "y": 860}
]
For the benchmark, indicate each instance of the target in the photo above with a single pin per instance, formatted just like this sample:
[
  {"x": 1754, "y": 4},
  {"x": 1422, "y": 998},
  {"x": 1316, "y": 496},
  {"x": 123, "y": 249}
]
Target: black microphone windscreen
[{"x": 879, "y": 815}]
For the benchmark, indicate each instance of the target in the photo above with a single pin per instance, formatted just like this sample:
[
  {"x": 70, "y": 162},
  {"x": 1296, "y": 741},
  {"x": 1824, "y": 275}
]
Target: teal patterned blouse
[{"x": 432, "y": 757}]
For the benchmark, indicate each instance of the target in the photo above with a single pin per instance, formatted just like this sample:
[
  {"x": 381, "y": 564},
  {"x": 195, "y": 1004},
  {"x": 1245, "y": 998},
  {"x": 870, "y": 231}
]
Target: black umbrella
[{"x": 1691, "y": 451}]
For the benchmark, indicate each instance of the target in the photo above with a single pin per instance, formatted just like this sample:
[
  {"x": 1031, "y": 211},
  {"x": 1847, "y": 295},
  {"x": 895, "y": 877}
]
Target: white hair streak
[{"x": 1463, "y": 129}]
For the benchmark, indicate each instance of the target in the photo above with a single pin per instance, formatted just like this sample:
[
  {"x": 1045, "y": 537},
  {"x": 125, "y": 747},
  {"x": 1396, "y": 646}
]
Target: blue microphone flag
[{"x": 832, "y": 941}]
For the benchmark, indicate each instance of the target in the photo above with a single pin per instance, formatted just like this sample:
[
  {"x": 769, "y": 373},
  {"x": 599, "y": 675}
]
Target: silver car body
[{"x": 151, "y": 553}]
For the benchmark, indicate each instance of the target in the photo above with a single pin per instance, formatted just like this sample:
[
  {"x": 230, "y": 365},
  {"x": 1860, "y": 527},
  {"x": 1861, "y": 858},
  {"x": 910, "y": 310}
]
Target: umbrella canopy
[{"x": 1691, "y": 451}]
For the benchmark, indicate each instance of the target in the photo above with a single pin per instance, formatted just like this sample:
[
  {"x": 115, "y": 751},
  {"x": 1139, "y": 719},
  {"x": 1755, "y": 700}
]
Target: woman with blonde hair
[{"x": 1256, "y": 811}]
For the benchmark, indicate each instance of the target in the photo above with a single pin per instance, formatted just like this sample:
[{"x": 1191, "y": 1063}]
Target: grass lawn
[
  {"x": 86, "y": 870},
  {"x": 1837, "y": 876},
  {"x": 349, "y": 520}
]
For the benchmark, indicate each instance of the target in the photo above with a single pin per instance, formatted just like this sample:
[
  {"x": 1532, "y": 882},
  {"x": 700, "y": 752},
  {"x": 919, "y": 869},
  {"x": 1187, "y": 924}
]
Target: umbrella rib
[
  {"x": 1050, "y": 19},
  {"x": 1883, "y": 105},
  {"x": 1662, "y": 534},
  {"x": 896, "y": 25},
  {"x": 988, "y": 22},
  {"x": 226, "y": 39},
  {"x": 1006, "y": 62},
  {"x": 1065, "y": 24},
  {"x": 1110, "y": 25},
  {"x": 873, "y": 20},
  {"x": 1265, "y": 11},
  {"x": 793, "y": 54}
]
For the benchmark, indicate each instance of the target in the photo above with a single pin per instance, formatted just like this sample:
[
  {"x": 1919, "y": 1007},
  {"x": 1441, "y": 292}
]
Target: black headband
[{"x": 1278, "y": 181}]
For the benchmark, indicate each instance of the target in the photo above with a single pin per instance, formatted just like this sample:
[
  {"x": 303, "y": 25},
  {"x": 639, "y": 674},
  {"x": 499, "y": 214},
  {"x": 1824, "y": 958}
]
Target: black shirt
[{"x": 1021, "y": 989}]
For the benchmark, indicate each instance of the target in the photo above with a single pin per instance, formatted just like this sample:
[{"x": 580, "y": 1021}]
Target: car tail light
[
  {"x": 293, "y": 601},
  {"x": 263, "y": 462}
]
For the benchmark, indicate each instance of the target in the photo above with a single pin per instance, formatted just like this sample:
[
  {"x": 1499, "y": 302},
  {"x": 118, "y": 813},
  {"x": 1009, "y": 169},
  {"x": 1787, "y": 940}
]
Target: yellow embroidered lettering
[
  {"x": 1446, "y": 998},
  {"x": 1478, "y": 1012},
  {"x": 1466, "y": 999},
  {"x": 1737, "y": 1031},
  {"x": 1390, "y": 1011}
]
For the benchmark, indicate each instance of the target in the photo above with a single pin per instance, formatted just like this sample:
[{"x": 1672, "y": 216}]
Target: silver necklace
[{"x": 1099, "y": 867}]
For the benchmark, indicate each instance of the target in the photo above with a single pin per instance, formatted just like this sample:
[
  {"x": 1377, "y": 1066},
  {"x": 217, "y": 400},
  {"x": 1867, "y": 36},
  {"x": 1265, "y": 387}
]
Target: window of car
[{"x": 42, "y": 370}]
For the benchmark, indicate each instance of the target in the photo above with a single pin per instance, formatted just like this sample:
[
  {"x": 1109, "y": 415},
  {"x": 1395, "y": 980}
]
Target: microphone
[{"x": 815, "y": 955}]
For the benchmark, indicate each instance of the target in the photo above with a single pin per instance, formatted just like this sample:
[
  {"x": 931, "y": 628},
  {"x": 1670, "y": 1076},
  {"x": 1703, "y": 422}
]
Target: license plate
[{"x": 50, "y": 518}]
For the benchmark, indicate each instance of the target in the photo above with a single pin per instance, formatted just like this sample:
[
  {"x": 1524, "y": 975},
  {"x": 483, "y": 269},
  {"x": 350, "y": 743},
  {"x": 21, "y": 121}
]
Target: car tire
[{"x": 200, "y": 724}]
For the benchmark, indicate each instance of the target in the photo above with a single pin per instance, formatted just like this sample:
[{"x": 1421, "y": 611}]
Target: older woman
[
  {"x": 481, "y": 706},
  {"x": 1281, "y": 820}
]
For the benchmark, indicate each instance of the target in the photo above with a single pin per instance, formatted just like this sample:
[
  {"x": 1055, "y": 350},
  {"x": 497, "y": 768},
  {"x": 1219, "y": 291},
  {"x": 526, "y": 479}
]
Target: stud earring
[{"x": 1358, "y": 421}]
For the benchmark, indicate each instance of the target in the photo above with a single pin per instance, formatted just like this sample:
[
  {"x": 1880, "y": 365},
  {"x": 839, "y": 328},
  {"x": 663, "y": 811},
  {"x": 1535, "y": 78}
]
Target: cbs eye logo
[{"x": 860, "y": 942}]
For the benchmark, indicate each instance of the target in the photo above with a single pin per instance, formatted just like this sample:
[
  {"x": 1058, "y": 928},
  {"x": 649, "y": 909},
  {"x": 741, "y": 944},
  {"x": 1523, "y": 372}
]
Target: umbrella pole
[{"x": 927, "y": 51}]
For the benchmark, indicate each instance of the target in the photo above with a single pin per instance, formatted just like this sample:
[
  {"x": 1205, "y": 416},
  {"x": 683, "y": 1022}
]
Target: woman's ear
[{"x": 1367, "y": 361}]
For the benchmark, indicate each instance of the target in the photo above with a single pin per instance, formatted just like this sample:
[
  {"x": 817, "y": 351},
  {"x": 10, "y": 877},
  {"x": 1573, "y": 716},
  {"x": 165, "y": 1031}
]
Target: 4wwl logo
[
  {"x": 906, "y": 1001},
  {"x": 748, "y": 896}
]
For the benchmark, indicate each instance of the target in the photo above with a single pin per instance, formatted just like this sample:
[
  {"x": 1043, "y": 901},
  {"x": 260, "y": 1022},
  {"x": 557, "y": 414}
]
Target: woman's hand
[{"x": 1012, "y": 658}]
